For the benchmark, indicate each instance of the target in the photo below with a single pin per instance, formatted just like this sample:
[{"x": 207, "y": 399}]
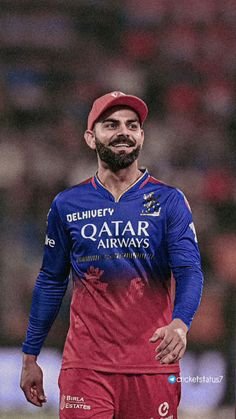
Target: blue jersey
[{"x": 121, "y": 255}]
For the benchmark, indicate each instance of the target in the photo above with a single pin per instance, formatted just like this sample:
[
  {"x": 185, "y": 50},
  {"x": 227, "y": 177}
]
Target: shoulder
[
  {"x": 73, "y": 192},
  {"x": 164, "y": 187},
  {"x": 171, "y": 195}
]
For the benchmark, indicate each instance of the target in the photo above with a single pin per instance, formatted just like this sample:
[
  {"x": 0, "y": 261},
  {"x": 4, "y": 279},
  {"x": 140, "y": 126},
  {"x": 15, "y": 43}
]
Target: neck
[{"x": 117, "y": 182}]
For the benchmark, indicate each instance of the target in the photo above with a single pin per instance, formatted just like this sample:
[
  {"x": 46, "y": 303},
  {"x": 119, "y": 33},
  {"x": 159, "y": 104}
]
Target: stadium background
[{"x": 57, "y": 56}]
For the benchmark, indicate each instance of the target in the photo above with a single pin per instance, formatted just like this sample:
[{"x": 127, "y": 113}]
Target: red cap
[{"x": 109, "y": 100}]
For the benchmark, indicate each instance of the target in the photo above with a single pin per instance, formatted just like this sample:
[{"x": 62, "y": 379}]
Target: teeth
[{"x": 122, "y": 145}]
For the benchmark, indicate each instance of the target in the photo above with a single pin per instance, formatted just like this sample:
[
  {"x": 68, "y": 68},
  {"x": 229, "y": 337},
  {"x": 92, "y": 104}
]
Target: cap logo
[{"x": 116, "y": 94}]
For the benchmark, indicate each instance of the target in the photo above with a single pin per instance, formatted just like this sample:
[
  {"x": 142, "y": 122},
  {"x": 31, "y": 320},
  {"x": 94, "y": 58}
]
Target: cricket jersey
[{"x": 121, "y": 255}]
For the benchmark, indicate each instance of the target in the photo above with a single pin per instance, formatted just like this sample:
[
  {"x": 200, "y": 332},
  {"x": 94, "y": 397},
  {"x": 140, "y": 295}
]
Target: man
[{"x": 122, "y": 234}]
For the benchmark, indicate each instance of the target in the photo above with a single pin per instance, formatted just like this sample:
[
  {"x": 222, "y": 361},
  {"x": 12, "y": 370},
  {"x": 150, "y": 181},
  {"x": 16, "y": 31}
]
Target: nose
[{"x": 123, "y": 130}]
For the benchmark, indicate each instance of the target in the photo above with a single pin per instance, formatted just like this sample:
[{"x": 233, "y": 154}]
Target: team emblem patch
[{"x": 151, "y": 205}]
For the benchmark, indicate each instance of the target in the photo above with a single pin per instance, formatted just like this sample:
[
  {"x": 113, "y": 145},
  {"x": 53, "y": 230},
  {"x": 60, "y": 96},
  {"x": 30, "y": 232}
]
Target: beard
[{"x": 119, "y": 160}]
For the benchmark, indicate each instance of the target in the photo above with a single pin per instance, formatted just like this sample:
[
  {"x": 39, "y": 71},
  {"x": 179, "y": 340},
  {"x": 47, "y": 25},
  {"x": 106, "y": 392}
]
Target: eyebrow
[{"x": 117, "y": 120}]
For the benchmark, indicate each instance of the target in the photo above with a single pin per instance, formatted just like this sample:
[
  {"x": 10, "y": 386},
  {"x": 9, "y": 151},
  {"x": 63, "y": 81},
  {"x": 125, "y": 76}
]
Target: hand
[
  {"x": 32, "y": 381},
  {"x": 173, "y": 341}
]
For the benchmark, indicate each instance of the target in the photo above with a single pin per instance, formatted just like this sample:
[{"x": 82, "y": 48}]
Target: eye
[
  {"x": 110, "y": 125},
  {"x": 133, "y": 126}
]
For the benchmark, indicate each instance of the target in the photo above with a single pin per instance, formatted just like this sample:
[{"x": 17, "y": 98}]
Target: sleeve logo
[{"x": 49, "y": 242}]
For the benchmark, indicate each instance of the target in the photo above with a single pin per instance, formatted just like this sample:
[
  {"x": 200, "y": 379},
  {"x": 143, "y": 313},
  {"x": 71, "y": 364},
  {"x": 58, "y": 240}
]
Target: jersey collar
[{"x": 139, "y": 184}]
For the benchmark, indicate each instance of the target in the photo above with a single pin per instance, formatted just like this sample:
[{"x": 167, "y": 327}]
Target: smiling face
[{"x": 117, "y": 137}]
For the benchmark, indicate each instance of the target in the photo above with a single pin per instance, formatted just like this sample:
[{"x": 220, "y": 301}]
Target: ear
[
  {"x": 89, "y": 137},
  {"x": 142, "y": 135}
]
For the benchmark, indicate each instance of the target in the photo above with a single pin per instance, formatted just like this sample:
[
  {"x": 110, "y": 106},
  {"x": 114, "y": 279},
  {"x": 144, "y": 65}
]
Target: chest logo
[{"x": 151, "y": 205}]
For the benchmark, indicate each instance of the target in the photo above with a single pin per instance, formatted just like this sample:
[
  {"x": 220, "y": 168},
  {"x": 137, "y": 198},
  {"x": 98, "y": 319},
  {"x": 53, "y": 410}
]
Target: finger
[
  {"x": 164, "y": 344},
  {"x": 33, "y": 392},
  {"x": 158, "y": 334},
  {"x": 176, "y": 354},
  {"x": 169, "y": 343},
  {"x": 35, "y": 401},
  {"x": 172, "y": 356},
  {"x": 40, "y": 393},
  {"x": 31, "y": 396},
  {"x": 170, "y": 348}
]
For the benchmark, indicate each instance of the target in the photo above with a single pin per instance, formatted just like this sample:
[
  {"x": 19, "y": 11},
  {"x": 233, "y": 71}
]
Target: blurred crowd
[{"x": 57, "y": 56}]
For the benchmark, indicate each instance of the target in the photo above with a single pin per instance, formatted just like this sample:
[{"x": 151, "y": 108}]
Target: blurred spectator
[{"x": 223, "y": 254}]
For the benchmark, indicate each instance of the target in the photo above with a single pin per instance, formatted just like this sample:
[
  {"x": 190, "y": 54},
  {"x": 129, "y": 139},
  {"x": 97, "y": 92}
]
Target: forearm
[
  {"x": 189, "y": 283},
  {"x": 46, "y": 302}
]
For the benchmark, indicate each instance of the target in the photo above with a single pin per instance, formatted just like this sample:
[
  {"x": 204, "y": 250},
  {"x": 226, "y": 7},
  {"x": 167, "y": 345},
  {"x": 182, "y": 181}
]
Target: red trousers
[{"x": 94, "y": 394}]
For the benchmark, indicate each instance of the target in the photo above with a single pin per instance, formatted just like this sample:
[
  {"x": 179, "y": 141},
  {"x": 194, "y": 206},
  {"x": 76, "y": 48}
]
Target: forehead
[{"x": 119, "y": 112}]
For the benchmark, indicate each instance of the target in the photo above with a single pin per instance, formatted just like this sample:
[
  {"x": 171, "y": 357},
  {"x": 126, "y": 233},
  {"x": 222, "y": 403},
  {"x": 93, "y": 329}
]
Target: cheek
[
  {"x": 140, "y": 140},
  {"x": 103, "y": 136}
]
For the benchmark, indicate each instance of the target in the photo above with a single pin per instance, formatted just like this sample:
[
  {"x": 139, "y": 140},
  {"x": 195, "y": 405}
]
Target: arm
[
  {"x": 48, "y": 293},
  {"x": 184, "y": 261},
  {"x": 31, "y": 381}
]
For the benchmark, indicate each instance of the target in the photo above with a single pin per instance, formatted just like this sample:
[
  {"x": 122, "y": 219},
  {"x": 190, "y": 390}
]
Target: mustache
[{"x": 122, "y": 139}]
